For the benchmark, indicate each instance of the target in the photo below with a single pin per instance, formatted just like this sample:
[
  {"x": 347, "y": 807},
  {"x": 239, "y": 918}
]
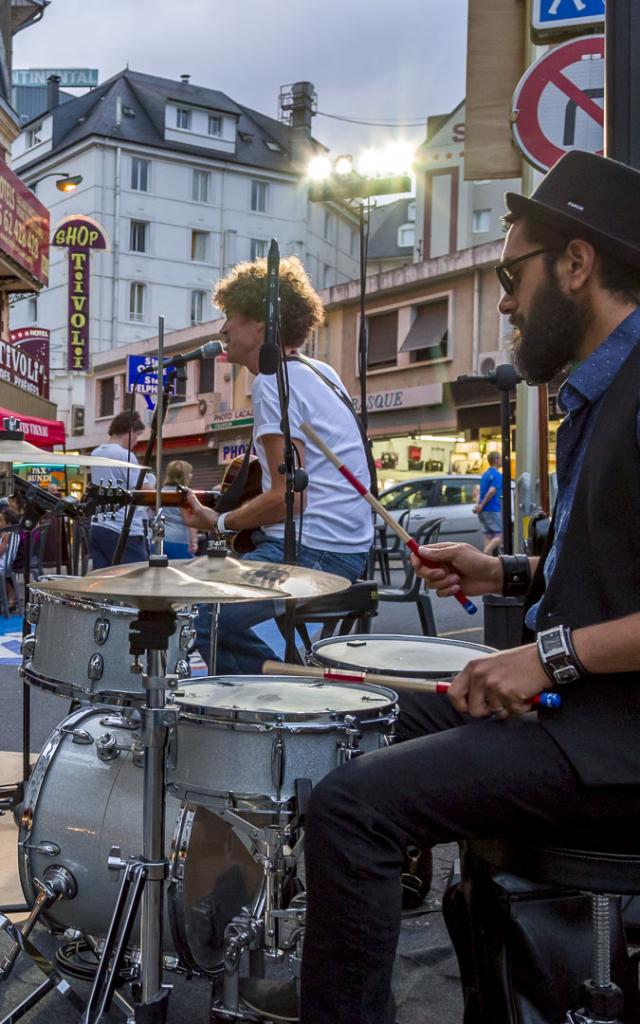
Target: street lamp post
[{"x": 65, "y": 183}]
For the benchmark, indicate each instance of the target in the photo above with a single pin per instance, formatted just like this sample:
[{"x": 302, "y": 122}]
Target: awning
[
  {"x": 43, "y": 433},
  {"x": 429, "y": 329}
]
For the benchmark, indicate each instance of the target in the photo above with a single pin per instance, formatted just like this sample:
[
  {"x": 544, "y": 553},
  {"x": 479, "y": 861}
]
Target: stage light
[{"x": 319, "y": 168}]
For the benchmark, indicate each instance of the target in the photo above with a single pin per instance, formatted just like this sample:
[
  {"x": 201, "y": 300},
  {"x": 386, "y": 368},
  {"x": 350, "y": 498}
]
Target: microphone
[
  {"x": 504, "y": 377},
  {"x": 270, "y": 349},
  {"x": 209, "y": 350}
]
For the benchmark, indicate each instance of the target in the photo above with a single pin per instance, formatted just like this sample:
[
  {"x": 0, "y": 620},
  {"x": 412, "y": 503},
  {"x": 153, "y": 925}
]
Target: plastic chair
[
  {"x": 387, "y": 547},
  {"x": 8, "y": 575},
  {"x": 412, "y": 588}
]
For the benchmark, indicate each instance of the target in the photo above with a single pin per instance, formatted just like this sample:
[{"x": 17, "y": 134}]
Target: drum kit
[{"x": 190, "y": 793}]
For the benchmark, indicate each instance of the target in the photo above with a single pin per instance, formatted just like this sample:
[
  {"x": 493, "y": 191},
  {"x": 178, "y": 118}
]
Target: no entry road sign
[{"x": 559, "y": 103}]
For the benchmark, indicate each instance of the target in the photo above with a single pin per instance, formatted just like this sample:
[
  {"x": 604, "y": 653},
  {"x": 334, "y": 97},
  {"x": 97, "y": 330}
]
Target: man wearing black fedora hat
[{"x": 479, "y": 762}]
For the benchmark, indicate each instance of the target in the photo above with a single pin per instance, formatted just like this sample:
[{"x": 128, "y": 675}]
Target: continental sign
[
  {"x": 24, "y": 226},
  {"x": 80, "y": 235}
]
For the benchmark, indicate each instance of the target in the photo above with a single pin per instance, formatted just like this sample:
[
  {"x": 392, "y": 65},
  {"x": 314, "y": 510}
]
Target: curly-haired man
[{"x": 333, "y": 521}]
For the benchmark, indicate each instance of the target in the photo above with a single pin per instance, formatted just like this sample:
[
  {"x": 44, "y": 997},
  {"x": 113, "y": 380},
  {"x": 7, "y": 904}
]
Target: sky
[{"x": 368, "y": 59}]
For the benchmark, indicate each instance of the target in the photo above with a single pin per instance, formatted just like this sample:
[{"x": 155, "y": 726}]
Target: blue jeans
[
  {"x": 103, "y": 543},
  {"x": 240, "y": 650}
]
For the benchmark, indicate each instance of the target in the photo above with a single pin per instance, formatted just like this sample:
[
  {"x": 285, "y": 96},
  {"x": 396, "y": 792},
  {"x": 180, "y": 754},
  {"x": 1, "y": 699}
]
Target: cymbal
[
  {"x": 23, "y": 451},
  {"x": 151, "y": 588},
  {"x": 289, "y": 580}
]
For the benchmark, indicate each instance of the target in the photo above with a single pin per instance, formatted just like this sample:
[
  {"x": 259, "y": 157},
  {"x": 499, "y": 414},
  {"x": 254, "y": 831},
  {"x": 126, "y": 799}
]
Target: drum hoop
[
  {"x": 96, "y": 606},
  {"x": 307, "y": 725},
  {"x": 60, "y": 688},
  {"x": 319, "y": 648}
]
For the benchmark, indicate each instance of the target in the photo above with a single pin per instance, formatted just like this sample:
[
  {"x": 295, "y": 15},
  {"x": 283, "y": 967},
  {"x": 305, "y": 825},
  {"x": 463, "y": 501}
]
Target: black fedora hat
[{"x": 590, "y": 197}]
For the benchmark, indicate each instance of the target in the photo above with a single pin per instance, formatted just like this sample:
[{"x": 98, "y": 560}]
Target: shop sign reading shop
[
  {"x": 79, "y": 234},
  {"x": 24, "y": 227},
  {"x": 24, "y": 360}
]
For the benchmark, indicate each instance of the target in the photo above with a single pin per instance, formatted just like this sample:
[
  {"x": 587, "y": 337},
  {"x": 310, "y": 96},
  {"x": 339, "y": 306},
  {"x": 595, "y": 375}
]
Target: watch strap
[{"x": 558, "y": 656}]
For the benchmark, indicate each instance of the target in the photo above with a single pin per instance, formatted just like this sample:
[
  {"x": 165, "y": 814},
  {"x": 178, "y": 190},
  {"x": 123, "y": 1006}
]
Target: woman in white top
[{"x": 180, "y": 541}]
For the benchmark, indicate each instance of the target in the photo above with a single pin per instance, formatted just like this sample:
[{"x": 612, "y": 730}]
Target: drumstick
[
  {"x": 546, "y": 699},
  {"x": 408, "y": 540}
]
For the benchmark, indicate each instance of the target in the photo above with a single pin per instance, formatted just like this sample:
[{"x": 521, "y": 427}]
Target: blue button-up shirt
[{"x": 580, "y": 397}]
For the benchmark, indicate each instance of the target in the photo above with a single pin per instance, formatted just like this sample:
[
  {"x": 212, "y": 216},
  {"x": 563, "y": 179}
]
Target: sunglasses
[{"x": 504, "y": 270}]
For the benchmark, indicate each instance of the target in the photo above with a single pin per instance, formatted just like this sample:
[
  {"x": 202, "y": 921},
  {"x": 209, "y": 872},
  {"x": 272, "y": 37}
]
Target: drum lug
[
  {"x": 187, "y": 638},
  {"x": 101, "y": 630},
  {"x": 137, "y": 754},
  {"x": 95, "y": 668},
  {"x": 32, "y": 612},
  {"x": 47, "y": 849},
  {"x": 28, "y": 646},
  {"x": 277, "y": 763},
  {"x": 119, "y": 722},
  {"x": 182, "y": 669},
  {"x": 350, "y": 745},
  {"x": 78, "y": 736},
  {"x": 115, "y": 863}
]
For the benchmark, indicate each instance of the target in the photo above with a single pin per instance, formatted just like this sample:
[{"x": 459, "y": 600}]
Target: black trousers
[{"x": 460, "y": 779}]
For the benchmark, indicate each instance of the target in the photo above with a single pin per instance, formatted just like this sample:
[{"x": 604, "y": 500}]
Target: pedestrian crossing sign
[{"x": 553, "y": 16}]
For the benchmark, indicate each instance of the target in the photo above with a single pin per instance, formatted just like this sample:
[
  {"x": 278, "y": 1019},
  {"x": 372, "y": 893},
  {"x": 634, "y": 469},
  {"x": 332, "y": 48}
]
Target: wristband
[
  {"x": 516, "y": 576},
  {"x": 220, "y": 524},
  {"x": 558, "y": 656}
]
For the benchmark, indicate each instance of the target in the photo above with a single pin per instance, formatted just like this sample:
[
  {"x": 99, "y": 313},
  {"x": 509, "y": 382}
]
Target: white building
[{"x": 185, "y": 182}]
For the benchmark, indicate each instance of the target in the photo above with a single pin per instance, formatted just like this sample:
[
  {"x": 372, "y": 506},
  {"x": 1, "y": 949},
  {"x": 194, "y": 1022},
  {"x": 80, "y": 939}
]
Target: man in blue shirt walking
[{"x": 489, "y": 507}]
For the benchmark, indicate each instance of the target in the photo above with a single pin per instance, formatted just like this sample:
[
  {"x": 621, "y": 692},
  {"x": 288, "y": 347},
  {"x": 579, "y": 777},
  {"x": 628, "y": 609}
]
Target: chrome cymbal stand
[{"x": 144, "y": 877}]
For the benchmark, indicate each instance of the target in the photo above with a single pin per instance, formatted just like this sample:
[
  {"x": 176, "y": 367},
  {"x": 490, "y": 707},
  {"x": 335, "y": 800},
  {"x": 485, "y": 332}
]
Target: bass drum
[{"x": 85, "y": 796}]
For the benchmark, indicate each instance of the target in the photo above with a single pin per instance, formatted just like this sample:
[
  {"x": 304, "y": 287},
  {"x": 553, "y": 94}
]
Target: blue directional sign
[
  {"x": 550, "y": 16},
  {"x": 143, "y": 372}
]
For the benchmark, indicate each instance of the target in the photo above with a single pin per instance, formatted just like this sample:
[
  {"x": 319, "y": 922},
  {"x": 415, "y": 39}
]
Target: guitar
[{"x": 98, "y": 498}]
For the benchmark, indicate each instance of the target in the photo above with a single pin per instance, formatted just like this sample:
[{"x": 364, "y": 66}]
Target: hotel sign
[
  {"x": 24, "y": 360},
  {"x": 24, "y": 227},
  {"x": 79, "y": 234}
]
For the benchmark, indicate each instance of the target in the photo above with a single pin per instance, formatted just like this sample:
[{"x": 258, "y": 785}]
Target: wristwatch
[
  {"x": 220, "y": 524},
  {"x": 557, "y": 655}
]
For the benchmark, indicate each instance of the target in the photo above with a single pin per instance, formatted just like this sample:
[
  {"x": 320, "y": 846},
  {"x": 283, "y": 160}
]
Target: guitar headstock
[{"x": 99, "y": 499}]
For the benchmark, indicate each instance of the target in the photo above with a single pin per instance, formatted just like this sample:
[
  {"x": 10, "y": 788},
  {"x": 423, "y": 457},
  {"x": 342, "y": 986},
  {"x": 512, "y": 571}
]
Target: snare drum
[
  {"x": 251, "y": 737},
  {"x": 423, "y": 657},
  {"x": 85, "y": 796},
  {"x": 80, "y": 648}
]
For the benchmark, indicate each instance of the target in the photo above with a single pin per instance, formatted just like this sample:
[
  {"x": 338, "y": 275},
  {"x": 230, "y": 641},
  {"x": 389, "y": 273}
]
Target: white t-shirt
[
  {"x": 336, "y": 517},
  {"x": 118, "y": 476}
]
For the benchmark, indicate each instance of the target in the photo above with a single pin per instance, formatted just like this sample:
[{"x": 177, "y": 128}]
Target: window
[
  {"x": 257, "y": 248},
  {"x": 183, "y": 119},
  {"x": 328, "y": 277},
  {"x": 206, "y": 373},
  {"x": 429, "y": 334},
  {"x": 199, "y": 246},
  {"x": 383, "y": 340},
  {"x": 33, "y": 135},
  {"x": 32, "y": 309},
  {"x": 106, "y": 396},
  {"x": 411, "y": 211},
  {"x": 354, "y": 242},
  {"x": 460, "y": 492},
  {"x": 198, "y": 306},
  {"x": 406, "y": 236},
  {"x": 138, "y": 236},
  {"x": 328, "y": 225},
  {"x": 136, "y": 301},
  {"x": 180, "y": 394},
  {"x": 259, "y": 196},
  {"x": 481, "y": 221},
  {"x": 215, "y": 124},
  {"x": 408, "y": 496},
  {"x": 140, "y": 169},
  {"x": 200, "y": 186}
]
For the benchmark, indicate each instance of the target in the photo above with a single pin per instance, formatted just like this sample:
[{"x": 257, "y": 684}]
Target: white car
[{"x": 432, "y": 496}]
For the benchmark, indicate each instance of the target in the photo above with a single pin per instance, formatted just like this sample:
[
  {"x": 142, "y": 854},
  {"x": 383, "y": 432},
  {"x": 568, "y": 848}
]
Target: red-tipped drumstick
[
  {"x": 547, "y": 699},
  {"x": 408, "y": 540}
]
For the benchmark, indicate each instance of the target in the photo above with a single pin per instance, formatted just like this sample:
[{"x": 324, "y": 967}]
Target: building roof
[
  {"x": 143, "y": 100},
  {"x": 383, "y": 230}
]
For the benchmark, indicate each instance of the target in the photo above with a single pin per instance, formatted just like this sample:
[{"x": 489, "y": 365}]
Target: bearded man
[{"x": 478, "y": 762}]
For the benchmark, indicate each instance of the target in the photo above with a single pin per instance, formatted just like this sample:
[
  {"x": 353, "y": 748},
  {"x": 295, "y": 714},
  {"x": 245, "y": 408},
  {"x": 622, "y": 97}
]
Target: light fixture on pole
[
  {"x": 65, "y": 183},
  {"x": 339, "y": 180}
]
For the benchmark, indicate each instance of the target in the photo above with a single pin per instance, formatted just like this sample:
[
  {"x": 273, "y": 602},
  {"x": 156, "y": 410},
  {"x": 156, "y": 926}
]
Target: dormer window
[
  {"x": 183, "y": 119},
  {"x": 273, "y": 146},
  {"x": 215, "y": 124},
  {"x": 33, "y": 135},
  {"x": 411, "y": 211},
  {"x": 406, "y": 236}
]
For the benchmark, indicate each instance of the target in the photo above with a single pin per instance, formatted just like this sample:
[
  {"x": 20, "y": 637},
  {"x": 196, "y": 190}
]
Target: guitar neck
[{"x": 172, "y": 499}]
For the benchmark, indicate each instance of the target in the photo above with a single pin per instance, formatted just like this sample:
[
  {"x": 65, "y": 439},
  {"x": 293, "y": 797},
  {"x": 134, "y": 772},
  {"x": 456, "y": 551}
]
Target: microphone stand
[{"x": 172, "y": 374}]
